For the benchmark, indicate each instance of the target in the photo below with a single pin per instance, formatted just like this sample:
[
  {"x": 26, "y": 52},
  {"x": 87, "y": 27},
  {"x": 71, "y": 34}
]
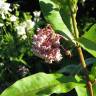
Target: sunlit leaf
[
  {"x": 93, "y": 72},
  {"x": 88, "y": 40},
  {"x": 81, "y": 91},
  {"x": 94, "y": 89},
  {"x": 56, "y": 13},
  {"x": 41, "y": 84}
]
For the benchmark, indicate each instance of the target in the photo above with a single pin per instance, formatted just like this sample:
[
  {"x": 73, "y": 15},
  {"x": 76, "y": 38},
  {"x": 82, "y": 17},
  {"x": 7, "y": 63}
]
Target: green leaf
[
  {"x": 90, "y": 61},
  {"x": 56, "y": 13},
  {"x": 94, "y": 89},
  {"x": 73, "y": 69},
  {"x": 93, "y": 72},
  {"x": 88, "y": 41},
  {"x": 70, "y": 69},
  {"x": 41, "y": 84},
  {"x": 81, "y": 91}
]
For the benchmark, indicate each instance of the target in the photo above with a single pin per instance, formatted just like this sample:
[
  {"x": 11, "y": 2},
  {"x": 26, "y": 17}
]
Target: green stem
[
  {"x": 76, "y": 35},
  {"x": 73, "y": 17},
  {"x": 83, "y": 64}
]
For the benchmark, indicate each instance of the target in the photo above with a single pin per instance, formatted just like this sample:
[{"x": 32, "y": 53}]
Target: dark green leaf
[
  {"x": 70, "y": 69},
  {"x": 73, "y": 69}
]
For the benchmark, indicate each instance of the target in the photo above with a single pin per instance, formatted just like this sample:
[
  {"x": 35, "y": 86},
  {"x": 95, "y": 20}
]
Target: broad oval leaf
[
  {"x": 53, "y": 13},
  {"x": 41, "y": 84},
  {"x": 88, "y": 40}
]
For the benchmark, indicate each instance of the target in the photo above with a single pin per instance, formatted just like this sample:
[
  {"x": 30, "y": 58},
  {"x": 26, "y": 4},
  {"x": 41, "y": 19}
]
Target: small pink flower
[{"x": 46, "y": 44}]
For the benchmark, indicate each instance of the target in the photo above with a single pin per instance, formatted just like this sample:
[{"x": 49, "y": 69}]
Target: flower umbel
[
  {"x": 24, "y": 27},
  {"x": 46, "y": 44},
  {"x": 4, "y": 8}
]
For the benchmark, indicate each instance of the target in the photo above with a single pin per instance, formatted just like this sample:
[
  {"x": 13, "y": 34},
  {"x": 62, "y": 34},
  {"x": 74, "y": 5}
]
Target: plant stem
[
  {"x": 76, "y": 35},
  {"x": 83, "y": 64},
  {"x": 73, "y": 17}
]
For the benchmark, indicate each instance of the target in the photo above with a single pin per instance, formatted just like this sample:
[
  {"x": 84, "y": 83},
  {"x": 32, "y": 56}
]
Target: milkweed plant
[{"x": 58, "y": 37}]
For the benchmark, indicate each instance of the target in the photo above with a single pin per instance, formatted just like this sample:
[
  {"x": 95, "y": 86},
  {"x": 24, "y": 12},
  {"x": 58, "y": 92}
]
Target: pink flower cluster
[{"x": 46, "y": 44}]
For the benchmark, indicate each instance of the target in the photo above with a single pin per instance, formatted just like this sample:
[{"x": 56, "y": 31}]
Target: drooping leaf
[
  {"x": 88, "y": 40},
  {"x": 73, "y": 69},
  {"x": 70, "y": 69},
  {"x": 56, "y": 13},
  {"x": 41, "y": 84},
  {"x": 90, "y": 61}
]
